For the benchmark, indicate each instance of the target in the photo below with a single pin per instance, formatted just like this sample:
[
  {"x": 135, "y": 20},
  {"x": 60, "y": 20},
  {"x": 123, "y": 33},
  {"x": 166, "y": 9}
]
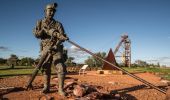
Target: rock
[
  {"x": 113, "y": 83},
  {"x": 100, "y": 72},
  {"x": 69, "y": 84},
  {"x": 45, "y": 97},
  {"x": 94, "y": 95},
  {"x": 79, "y": 90},
  {"x": 165, "y": 82},
  {"x": 168, "y": 94},
  {"x": 113, "y": 92}
]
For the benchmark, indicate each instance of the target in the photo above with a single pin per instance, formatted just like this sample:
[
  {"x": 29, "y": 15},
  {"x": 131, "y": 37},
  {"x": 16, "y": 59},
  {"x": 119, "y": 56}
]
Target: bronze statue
[{"x": 50, "y": 31}]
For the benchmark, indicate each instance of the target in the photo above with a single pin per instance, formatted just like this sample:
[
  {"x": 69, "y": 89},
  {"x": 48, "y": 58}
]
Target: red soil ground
[{"x": 126, "y": 87}]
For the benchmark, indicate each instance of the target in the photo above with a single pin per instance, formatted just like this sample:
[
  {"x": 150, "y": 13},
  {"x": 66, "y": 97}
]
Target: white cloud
[
  {"x": 164, "y": 59},
  {"x": 78, "y": 54},
  {"x": 74, "y": 48},
  {"x": 161, "y": 60},
  {"x": 4, "y": 48}
]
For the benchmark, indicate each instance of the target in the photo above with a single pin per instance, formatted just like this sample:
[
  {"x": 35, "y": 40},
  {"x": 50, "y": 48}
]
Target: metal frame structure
[{"x": 125, "y": 43}]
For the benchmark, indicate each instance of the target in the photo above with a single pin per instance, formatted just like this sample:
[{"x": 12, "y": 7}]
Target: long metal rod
[{"x": 132, "y": 75}]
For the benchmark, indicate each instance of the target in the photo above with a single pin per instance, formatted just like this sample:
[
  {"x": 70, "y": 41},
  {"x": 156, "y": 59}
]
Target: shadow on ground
[{"x": 124, "y": 92}]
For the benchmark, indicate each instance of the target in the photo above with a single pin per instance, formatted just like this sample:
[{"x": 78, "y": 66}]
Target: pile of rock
[{"x": 85, "y": 91}]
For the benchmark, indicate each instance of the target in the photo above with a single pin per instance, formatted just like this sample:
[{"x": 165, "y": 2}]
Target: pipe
[{"x": 132, "y": 75}]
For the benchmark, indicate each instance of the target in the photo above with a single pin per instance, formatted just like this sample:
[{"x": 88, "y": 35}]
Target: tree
[
  {"x": 89, "y": 62},
  {"x": 141, "y": 63},
  {"x": 158, "y": 65},
  {"x": 2, "y": 61},
  {"x": 27, "y": 61},
  {"x": 12, "y": 60},
  {"x": 94, "y": 62},
  {"x": 98, "y": 62},
  {"x": 69, "y": 61}
]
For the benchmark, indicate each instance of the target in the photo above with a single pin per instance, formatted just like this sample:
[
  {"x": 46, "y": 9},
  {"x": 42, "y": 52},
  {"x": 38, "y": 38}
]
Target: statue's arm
[
  {"x": 61, "y": 34},
  {"x": 38, "y": 31},
  {"x": 58, "y": 32}
]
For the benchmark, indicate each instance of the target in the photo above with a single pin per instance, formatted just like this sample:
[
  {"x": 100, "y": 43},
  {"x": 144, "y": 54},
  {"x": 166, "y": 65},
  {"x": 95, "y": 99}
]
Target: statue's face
[{"x": 49, "y": 13}]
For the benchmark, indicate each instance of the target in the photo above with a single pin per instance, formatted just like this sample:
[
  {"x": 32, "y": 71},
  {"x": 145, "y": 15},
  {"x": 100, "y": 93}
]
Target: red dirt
[{"x": 125, "y": 87}]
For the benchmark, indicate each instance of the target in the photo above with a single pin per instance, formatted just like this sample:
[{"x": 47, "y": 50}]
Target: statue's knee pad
[{"x": 61, "y": 68}]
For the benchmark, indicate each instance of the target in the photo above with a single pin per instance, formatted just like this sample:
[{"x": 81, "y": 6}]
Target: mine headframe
[{"x": 125, "y": 43}]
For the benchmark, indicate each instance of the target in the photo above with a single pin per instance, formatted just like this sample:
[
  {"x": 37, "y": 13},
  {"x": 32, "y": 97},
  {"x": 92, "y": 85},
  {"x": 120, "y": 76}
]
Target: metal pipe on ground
[{"x": 132, "y": 75}]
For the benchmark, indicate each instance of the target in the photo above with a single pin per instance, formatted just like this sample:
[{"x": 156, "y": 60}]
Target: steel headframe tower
[{"x": 126, "y": 53}]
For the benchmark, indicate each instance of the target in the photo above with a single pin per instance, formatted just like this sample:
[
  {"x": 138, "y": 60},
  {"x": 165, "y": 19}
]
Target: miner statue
[{"x": 49, "y": 31}]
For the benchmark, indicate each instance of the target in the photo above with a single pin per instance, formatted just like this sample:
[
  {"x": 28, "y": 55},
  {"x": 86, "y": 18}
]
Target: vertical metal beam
[{"x": 126, "y": 43}]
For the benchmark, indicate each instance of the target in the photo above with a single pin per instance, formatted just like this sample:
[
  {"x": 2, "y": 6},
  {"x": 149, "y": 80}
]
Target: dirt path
[{"x": 124, "y": 86}]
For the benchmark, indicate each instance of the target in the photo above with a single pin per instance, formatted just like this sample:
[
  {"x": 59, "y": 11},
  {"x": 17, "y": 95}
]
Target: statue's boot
[
  {"x": 46, "y": 88},
  {"x": 61, "y": 85}
]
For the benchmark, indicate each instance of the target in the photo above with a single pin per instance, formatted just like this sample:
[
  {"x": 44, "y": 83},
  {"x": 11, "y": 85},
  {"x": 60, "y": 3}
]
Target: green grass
[
  {"x": 134, "y": 70},
  {"x": 166, "y": 76},
  {"x": 163, "y": 72},
  {"x": 18, "y": 70},
  {"x": 26, "y": 70},
  {"x": 6, "y": 71},
  {"x": 16, "y": 67},
  {"x": 15, "y": 72}
]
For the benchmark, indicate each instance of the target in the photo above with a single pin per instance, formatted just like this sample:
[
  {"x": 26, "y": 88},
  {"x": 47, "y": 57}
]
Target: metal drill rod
[{"x": 132, "y": 75}]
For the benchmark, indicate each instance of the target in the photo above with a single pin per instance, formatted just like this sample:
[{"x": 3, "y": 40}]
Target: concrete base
[{"x": 107, "y": 72}]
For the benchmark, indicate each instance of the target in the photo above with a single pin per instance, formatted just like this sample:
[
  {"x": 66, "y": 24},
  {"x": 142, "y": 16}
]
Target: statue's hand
[
  {"x": 64, "y": 38},
  {"x": 45, "y": 29}
]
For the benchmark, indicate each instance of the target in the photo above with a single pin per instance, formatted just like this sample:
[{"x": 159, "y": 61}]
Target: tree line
[
  {"x": 14, "y": 60},
  {"x": 94, "y": 62}
]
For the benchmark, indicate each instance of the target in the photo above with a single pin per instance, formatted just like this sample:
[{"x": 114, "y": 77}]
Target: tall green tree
[
  {"x": 90, "y": 62},
  {"x": 3, "y": 61},
  {"x": 98, "y": 62},
  {"x": 94, "y": 62},
  {"x": 26, "y": 61},
  {"x": 141, "y": 63},
  {"x": 158, "y": 64},
  {"x": 12, "y": 60},
  {"x": 69, "y": 62}
]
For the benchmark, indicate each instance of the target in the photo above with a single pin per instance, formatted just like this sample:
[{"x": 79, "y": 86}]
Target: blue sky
[{"x": 94, "y": 24}]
